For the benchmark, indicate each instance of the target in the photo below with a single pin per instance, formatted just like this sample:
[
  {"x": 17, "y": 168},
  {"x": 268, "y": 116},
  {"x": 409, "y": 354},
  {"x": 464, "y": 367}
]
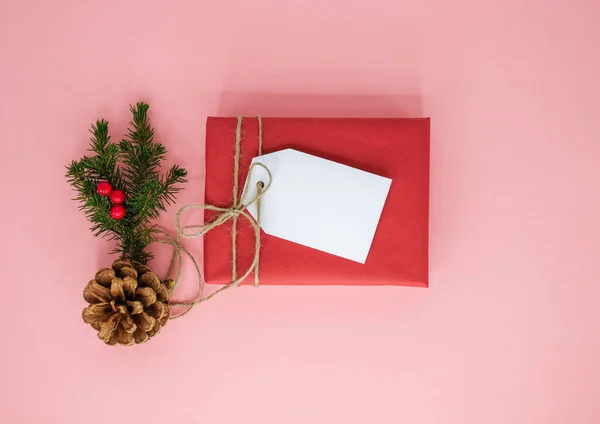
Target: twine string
[{"x": 237, "y": 209}]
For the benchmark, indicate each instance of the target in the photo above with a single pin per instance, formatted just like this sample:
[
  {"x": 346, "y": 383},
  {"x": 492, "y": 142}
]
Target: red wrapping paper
[{"x": 393, "y": 148}]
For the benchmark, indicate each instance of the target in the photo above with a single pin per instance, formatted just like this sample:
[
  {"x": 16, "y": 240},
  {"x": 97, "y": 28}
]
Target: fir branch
[
  {"x": 175, "y": 176},
  {"x": 101, "y": 139},
  {"x": 133, "y": 166},
  {"x": 141, "y": 155},
  {"x": 146, "y": 202},
  {"x": 103, "y": 165}
]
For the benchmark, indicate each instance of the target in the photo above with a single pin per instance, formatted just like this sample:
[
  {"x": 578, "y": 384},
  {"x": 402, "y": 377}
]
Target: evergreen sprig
[{"x": 133, "y": 166}]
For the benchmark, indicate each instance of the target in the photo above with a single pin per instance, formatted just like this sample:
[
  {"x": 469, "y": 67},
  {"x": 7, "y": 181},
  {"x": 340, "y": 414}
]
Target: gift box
[{"x": 394, "y": 148}]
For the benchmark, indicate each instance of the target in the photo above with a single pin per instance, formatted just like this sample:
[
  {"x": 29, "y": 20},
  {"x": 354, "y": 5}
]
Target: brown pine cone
[{"x": 128, "y": 303}]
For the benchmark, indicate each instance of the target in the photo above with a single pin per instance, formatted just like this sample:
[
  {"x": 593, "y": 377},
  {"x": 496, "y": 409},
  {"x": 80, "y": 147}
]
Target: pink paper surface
[{"x": 509, "y": 330}]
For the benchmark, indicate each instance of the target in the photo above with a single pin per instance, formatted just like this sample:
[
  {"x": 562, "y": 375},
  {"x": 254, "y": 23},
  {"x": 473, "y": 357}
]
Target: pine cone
[{"x": 128, "y": 303}]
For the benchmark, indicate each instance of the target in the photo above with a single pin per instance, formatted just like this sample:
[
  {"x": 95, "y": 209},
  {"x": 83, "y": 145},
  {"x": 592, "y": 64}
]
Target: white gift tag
[{"x": 319, "y": 203}]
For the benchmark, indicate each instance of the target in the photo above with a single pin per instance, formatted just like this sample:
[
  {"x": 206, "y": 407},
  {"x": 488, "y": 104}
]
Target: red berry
[
  {"x": 117, "y": 211},
  {"x": 117, "y": 197},
  {"x": 104, "y": 188}
]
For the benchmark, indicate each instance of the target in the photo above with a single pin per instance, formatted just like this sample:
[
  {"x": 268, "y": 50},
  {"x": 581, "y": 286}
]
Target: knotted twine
[{"x": 237, "y": 209}]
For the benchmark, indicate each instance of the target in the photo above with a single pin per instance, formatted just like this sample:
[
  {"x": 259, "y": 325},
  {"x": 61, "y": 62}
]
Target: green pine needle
[{"x": 133, "y": 166}]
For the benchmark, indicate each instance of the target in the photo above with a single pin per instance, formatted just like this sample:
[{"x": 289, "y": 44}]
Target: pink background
[{"x": 508, "y": 332}]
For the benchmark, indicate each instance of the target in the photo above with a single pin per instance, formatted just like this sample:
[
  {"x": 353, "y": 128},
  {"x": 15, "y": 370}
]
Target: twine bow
[{"x": 237, "y": 209}]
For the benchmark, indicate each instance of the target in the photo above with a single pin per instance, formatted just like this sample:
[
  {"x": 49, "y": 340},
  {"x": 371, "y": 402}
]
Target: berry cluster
[{"x": 117, "y": 211}]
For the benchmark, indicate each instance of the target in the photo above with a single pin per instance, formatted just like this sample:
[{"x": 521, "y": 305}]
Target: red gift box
[{"x": 392, "y": 148}]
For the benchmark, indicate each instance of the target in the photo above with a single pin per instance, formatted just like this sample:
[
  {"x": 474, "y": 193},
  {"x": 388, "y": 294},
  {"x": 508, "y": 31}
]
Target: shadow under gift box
[{"x": 389, "y": 147}]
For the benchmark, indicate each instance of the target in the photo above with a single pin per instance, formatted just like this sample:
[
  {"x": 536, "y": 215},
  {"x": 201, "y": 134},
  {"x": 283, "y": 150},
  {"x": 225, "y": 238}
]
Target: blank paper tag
[{"x": 319, "y": 203}]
